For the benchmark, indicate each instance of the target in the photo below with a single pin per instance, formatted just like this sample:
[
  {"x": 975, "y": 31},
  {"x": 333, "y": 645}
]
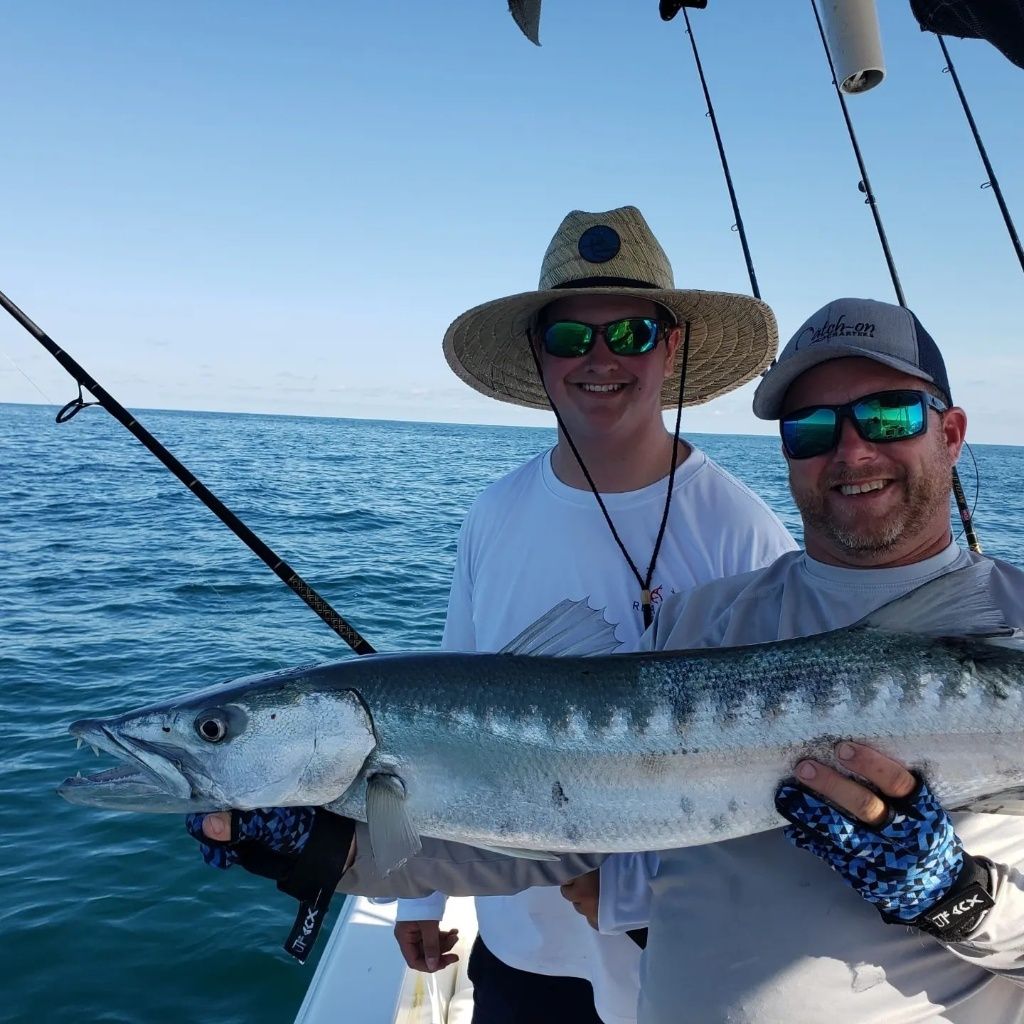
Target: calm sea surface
[{"x": 118, "y": 588}]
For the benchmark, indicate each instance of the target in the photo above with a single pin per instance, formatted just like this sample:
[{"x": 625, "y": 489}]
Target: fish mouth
[{"x": 156, "y": 770}]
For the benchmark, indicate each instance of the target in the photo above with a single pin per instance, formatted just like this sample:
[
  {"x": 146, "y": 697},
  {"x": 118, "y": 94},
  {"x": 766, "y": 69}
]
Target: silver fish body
[{"x": 603, "y": 753}]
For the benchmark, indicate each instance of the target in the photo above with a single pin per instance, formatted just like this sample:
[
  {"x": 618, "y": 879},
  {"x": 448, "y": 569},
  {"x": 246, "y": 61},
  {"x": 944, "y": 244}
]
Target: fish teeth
[
  {"x": 95, "y": 749},
  {"x": 78, "y": 743},
  {"x": 78, "y": 775}
]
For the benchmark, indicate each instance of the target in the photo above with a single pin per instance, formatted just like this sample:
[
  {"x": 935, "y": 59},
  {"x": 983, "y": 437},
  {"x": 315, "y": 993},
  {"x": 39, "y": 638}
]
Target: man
[
  {"x": 620, "y": 513},
  {"x": 751, "y": 929}
]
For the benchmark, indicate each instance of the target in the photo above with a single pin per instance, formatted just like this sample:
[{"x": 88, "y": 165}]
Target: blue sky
[{"x": 279, "y": 208}]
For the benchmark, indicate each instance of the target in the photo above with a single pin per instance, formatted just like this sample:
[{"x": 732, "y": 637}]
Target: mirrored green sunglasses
[
  {"x": 879, "y": 417},
  {"x": 632, "y": 336}
]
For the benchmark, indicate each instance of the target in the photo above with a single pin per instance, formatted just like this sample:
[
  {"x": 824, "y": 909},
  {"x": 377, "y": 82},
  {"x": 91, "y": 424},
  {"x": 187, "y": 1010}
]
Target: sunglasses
[
  {"x": 878, "y": 418},
  {"x": 632, "y": 336}
]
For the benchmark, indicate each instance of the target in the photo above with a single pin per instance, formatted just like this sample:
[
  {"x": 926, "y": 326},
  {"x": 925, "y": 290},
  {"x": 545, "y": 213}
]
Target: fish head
[{"x": 237, "y": 746}]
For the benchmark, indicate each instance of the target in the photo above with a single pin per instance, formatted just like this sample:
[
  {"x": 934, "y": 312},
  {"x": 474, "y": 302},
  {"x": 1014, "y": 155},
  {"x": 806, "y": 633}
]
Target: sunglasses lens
[
  {"x": 891, "y": 416},
  {"x": 632, "y": 337},
  {"x": 566, "y": 338},
  {"x": 809, "y": 433}
]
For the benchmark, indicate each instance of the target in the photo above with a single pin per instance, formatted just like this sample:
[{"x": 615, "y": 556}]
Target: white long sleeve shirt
[{"x": 530, "y": 541}]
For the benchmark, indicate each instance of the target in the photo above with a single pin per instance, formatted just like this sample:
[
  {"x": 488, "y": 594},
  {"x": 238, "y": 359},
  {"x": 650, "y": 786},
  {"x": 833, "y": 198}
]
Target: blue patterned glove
[
  {"x": 265, "y": 841},
  {"x": 302, "y": 848},
  {"x": 912, "y": 868}
]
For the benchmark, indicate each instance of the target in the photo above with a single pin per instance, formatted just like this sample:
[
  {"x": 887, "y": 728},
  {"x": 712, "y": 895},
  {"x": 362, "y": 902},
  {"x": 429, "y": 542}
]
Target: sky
[{"x": 278, "y": 208}]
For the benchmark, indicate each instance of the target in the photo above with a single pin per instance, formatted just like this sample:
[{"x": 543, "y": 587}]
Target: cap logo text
[{"x": 834, "y": 329}]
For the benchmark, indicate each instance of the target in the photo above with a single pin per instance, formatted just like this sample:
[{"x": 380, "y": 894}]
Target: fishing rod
[
  {"x": 738, "y": 226},
  {"x": 277, "y": 564},
  {"x": 993, "y": 181},
  {"x": 865, "y": 186}
]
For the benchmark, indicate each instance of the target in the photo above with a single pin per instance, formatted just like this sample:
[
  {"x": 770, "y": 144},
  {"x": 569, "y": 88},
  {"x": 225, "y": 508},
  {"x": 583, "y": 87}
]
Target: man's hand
[
  {"x": 424, "y": 946},
  {"x": 583, "y": 893},
  {"x": 889, "y": 777},
  {"x": 305, "y": 850},
  {"x": 890, "y": 839}
]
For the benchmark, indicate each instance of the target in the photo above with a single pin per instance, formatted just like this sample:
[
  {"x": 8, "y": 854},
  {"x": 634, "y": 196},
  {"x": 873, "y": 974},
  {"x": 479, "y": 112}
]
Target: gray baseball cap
[{"x": 853, "y": 327}]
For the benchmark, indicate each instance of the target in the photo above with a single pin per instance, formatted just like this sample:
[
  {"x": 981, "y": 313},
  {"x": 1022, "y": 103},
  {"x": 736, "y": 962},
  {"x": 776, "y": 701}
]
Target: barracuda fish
[{"x": 588, "y": 750}]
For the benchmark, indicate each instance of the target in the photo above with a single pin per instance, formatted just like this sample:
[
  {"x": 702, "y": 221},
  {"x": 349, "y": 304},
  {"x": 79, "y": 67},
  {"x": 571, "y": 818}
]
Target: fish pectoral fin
[
  {"x": 570, "y": 629},
  {"x": 956, "y": 604},
  {"x": 512, "y": 851},
  {"x": 393, "y": 840},
  {"x": 1007, "y": 801}
]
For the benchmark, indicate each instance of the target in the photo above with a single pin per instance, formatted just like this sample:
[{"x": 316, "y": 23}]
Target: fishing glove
[
  {"x": 303, "y": 849},
  {"x": 912, "y": 867}
]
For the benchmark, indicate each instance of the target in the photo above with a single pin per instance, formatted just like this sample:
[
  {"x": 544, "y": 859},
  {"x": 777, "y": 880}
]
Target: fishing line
[
  {"x": 277, "y": 564},
  {"x": 10, "y": 359},
  {"x": 865, "y": 187},
  {"x": 993, "y": 181}
]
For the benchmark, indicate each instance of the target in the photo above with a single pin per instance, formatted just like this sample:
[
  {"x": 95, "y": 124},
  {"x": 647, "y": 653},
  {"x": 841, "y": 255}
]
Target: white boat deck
[{"x": 362, "y": 978}]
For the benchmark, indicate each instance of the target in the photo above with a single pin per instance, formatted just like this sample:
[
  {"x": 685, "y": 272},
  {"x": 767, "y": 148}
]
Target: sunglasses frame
[
  {"x": 602, "y": 329},
  {"x": 844, "y": 411}
]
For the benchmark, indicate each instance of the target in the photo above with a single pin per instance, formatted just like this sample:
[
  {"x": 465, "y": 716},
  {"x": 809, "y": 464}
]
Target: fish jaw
[
  {"x": 129, "y": 788},
  {"x": 155, "y": 769}
]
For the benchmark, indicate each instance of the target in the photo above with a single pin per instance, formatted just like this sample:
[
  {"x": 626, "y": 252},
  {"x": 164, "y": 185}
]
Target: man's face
[
  {"x": 601, "y": 394},
  {"x": 906, "y": 509}
]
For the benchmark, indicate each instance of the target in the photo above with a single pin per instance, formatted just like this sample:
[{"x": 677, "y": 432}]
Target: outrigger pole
[
  {"x": 993, "y": 181},
  {"x": 865, "y": 186},
  {"x": 277, "y": 564}
]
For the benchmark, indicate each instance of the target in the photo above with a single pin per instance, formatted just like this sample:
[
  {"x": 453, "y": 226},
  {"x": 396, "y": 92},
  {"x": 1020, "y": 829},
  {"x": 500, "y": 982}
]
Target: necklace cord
[{"x": 645, "y": 583}]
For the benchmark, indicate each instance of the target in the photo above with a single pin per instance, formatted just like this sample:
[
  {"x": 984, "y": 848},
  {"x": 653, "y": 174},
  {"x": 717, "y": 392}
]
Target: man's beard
[{"x": 924, "y": 492}]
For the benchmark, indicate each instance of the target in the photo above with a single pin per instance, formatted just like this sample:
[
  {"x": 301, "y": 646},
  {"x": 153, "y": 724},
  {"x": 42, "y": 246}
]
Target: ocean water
[{"x": 119, "y": 587}]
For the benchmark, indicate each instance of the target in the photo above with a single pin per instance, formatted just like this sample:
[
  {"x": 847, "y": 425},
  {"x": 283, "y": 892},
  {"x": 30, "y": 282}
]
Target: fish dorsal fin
[
  {"x": 393, "y": 840},
  {"x": 955, "y": 604},
  {"x": 571, "y": 628}
]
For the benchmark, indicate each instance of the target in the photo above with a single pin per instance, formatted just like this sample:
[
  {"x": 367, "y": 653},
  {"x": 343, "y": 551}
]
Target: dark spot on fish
[
  {"x": 166, "y": 728},
  {"x": 733, "y": 806},
  {"x": 273, "y": 716},
  {"x": 686, "y": 805},
  {"x": 718, "y": 823},
  {"x": 558, "y": 797}
]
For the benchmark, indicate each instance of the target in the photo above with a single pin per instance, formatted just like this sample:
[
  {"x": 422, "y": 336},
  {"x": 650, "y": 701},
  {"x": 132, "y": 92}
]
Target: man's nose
[
  {"x": 851, "y": 447},
  {"x": 601, "y": 354}
]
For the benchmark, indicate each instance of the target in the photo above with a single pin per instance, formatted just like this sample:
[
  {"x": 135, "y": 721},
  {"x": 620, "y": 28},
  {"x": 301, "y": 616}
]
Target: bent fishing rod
[{"x": 277, "y": 564}]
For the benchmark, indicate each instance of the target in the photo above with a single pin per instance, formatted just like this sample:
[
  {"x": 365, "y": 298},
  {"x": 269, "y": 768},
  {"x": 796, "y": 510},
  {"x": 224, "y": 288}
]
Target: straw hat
[{"x": 732, "y": 337}]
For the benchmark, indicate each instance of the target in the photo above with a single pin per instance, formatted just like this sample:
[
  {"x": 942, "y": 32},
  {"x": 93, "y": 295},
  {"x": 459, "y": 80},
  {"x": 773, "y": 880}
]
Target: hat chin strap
[{"x": 644, "y": 581}]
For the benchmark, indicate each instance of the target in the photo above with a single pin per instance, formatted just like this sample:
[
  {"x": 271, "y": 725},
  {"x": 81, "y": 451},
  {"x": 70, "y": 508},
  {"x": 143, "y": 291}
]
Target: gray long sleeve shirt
[{"x": 753, "y": 930}]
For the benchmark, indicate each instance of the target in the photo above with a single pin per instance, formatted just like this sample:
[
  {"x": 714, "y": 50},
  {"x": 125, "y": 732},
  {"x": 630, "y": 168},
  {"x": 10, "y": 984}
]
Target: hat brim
[
  {"x": 732, "y": 339},
  {"x": 771, "y": 392}
]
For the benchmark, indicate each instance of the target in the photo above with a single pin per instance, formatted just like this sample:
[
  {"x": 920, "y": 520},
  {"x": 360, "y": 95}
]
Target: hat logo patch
[
  {"x": 599, "y": 244},
  {"x": 834, "y": 329}
]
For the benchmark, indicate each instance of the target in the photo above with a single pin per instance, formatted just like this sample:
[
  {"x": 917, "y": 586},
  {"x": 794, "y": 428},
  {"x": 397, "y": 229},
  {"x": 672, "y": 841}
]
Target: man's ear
[
  {"x": 672, "y": 342},
  {"x": 954, "y": 430}
]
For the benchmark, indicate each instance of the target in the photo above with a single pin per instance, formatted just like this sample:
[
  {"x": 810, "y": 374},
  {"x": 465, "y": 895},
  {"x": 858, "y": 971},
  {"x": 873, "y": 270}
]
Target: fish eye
[{"x": 212, "y": 726}]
